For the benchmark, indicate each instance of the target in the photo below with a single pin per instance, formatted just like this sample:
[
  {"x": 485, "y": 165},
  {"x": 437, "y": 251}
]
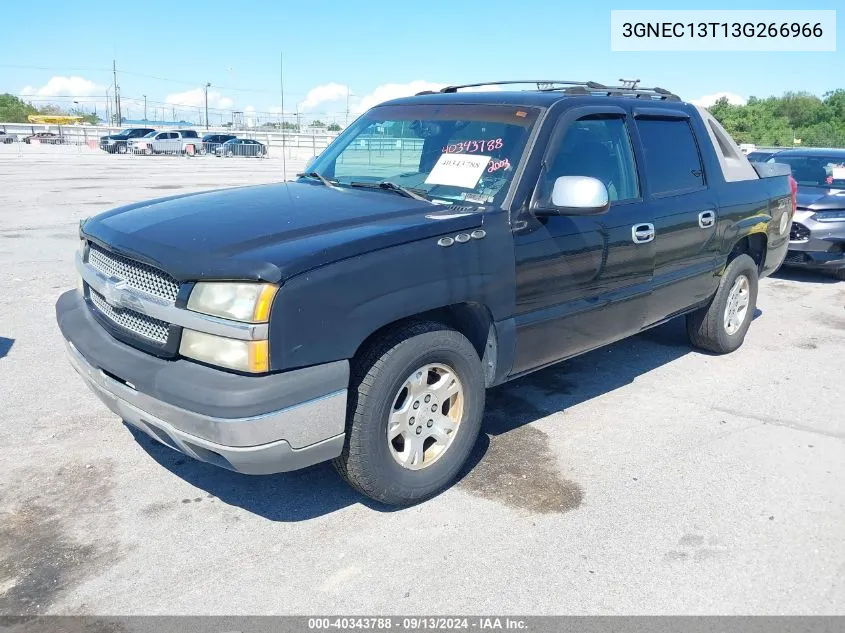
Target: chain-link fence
[{"x": 20, "y": 139}]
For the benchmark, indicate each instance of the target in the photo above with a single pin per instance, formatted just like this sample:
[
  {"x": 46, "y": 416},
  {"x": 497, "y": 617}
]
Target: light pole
[
  {"x": 207, "y": 86},
  {"x": 145, "y": 108},
  {"x": 108, "y": 107}
]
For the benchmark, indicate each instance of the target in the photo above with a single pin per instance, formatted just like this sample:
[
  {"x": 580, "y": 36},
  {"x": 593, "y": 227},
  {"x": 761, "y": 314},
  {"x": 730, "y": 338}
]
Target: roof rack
[
  {"x": 628, "y": 89},
  {"x": 542, "y": 84}
]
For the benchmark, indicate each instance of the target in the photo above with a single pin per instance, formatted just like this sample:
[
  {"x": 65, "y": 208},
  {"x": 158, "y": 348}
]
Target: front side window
[
  {"x": 672, "y": 161},
  {"x": 598, "y": 147},
  {"x": 449, "y": 153}
]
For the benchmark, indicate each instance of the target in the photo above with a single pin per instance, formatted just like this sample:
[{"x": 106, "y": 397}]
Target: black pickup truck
[
  {"x": 117, "y": 143},
  {"x": 442, "y": 244}
]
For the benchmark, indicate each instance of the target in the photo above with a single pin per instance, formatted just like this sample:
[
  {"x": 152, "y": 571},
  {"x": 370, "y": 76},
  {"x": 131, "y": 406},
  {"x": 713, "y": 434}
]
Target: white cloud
[
  {"x": 323, "y": 94},
  {"x": 196, "y": 98},
  {"x": 708, "y": 100},
  {"x": 386, "y": 92},
  {"x": 66, "y": 86},
  {"x": 336, "y": 93}
]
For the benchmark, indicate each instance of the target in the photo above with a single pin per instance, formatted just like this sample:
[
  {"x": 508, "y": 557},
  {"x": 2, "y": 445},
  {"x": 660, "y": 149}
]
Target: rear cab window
[{"x": 672, "y": 160}]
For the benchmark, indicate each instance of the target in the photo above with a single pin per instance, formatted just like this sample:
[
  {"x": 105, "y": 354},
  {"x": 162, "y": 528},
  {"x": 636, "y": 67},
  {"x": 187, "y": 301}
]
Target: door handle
[
  {"x": 706, "y": 219},
  {"x": 642, "y": 233}
]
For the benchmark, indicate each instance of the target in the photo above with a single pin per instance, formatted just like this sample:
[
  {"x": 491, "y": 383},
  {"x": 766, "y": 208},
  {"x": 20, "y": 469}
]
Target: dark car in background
[
  {"x": 210, "y": 142},
  {"x": 6, "y": 138},
  {"x": 242, "y": 147},
  {"x": 761, "y": 156},
  {"x": 817, "y": 237},
  {"x": 116, "y": 143},
  {"x": 45, "y": 138}
]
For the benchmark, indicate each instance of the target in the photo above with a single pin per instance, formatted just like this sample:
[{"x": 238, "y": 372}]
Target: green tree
[
  {"x": 333, "y": 127},
  {"x": 317, "y": 123},
  {"x": 776, "y": 121},
  {"x": 14, "y": 110}
]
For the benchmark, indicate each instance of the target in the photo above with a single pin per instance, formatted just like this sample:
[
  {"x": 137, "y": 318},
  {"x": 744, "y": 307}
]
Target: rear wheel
[
  {"x": 721, "y": 326},
  {"x": 415, "y": 406}
]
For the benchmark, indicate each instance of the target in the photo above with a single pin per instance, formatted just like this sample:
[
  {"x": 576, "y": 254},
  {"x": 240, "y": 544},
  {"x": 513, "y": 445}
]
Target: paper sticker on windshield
[{"x": 458, "y": 170}]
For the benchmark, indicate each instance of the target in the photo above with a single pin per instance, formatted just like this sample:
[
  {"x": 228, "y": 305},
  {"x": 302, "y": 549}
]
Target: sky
[{"x": 365, "y": 51}]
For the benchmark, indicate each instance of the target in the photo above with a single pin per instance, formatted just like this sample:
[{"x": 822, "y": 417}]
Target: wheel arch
[
  {"x": 755, "y": 245},
  {"x": 473, "y": 320}
]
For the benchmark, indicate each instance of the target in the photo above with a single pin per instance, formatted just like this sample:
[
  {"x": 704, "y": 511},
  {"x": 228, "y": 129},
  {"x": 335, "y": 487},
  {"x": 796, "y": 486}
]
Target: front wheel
[
  {"x": 415, "y": 406},
  {"x": 121, "y": 149},
  {"x": 721, "y": 326}
]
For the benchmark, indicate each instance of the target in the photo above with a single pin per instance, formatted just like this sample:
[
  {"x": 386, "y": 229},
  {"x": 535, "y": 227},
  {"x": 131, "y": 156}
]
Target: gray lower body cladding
[{"x": 250, "y": 424}]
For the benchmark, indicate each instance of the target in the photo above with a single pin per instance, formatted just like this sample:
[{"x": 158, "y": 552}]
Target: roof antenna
[{"x": 630, "y": 84}]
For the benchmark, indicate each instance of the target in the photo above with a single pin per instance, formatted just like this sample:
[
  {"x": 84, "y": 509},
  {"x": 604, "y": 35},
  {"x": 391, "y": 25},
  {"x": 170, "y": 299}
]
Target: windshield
[
  {"x": 150, "y": 134},
  {"x": 815, "y": 170},
  {"x": 451, "y": 153},
  {"x": 124, "y": 133}
]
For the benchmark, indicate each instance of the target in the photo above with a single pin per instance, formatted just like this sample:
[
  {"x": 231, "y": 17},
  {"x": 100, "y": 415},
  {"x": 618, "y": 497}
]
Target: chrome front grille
[
  {"x": 140, "y": 324},
  {"x": 138, "y": 276}
]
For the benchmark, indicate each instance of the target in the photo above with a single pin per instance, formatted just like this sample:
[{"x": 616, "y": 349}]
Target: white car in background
[{"x": 176, "y": 142}]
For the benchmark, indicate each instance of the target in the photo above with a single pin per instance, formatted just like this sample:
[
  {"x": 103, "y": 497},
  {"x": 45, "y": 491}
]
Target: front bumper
[
  {"x": 816, "y": 245},
  {"x": 249, "y": 424}
]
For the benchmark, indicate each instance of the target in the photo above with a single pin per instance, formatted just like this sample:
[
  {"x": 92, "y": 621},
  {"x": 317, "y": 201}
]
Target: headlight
[
  {"x": 829, "y": 216},
  {"x": 80, "y": 284},
  {"x": 248, "y": 302},
  {"x": 247, "y": 356}
]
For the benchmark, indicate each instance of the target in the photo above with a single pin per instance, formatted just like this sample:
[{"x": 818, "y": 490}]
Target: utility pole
[
  {"x": 347, "y": 107},
  {"x": 116, "y": 94},
  {"x": 282, "y": 90},
  {"x": 207, "y": 86},
  {"x": 145, "y": 108}
]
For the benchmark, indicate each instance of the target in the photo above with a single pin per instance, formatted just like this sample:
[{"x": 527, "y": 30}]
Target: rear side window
[{"x": 672, "y": 161}]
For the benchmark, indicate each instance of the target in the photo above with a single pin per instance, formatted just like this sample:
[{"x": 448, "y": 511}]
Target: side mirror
[
  {"x": 310, "y": 162},
  {"x": 576, "y": 195}
]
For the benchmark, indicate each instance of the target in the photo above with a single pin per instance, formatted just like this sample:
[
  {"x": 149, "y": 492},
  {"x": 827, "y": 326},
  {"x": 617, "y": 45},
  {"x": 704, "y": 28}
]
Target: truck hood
[
  {"x": 821, "y": 198},
  {"x": 114, "y": 137},
  {"x": 269, "y": 232}
]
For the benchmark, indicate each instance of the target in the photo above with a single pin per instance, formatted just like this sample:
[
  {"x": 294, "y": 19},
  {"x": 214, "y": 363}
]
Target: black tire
[
  {"x": 706, "y": 328},
  {"x": 377, "y": 376},
  {"x": 840, "y": 274},
  {"x": 121, "y": 148}
]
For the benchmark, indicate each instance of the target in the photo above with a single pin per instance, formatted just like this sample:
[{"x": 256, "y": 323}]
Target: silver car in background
[
  {"x": 242, "y": 147},
  {"x": 817, "y": 238},
  {"x": 175, "y": 142}
]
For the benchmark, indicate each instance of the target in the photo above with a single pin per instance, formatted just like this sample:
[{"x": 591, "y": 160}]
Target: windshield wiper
[
  {"x": 392, "y": 186},
  {"x": 317, "y": 176}
]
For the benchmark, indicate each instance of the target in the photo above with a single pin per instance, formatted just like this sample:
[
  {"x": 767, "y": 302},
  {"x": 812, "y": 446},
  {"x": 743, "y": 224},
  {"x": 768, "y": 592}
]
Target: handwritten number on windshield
[{"x": 474, "y": 146}]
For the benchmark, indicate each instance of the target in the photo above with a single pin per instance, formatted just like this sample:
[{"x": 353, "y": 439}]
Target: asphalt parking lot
[{"x": 641, "y": 478}]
